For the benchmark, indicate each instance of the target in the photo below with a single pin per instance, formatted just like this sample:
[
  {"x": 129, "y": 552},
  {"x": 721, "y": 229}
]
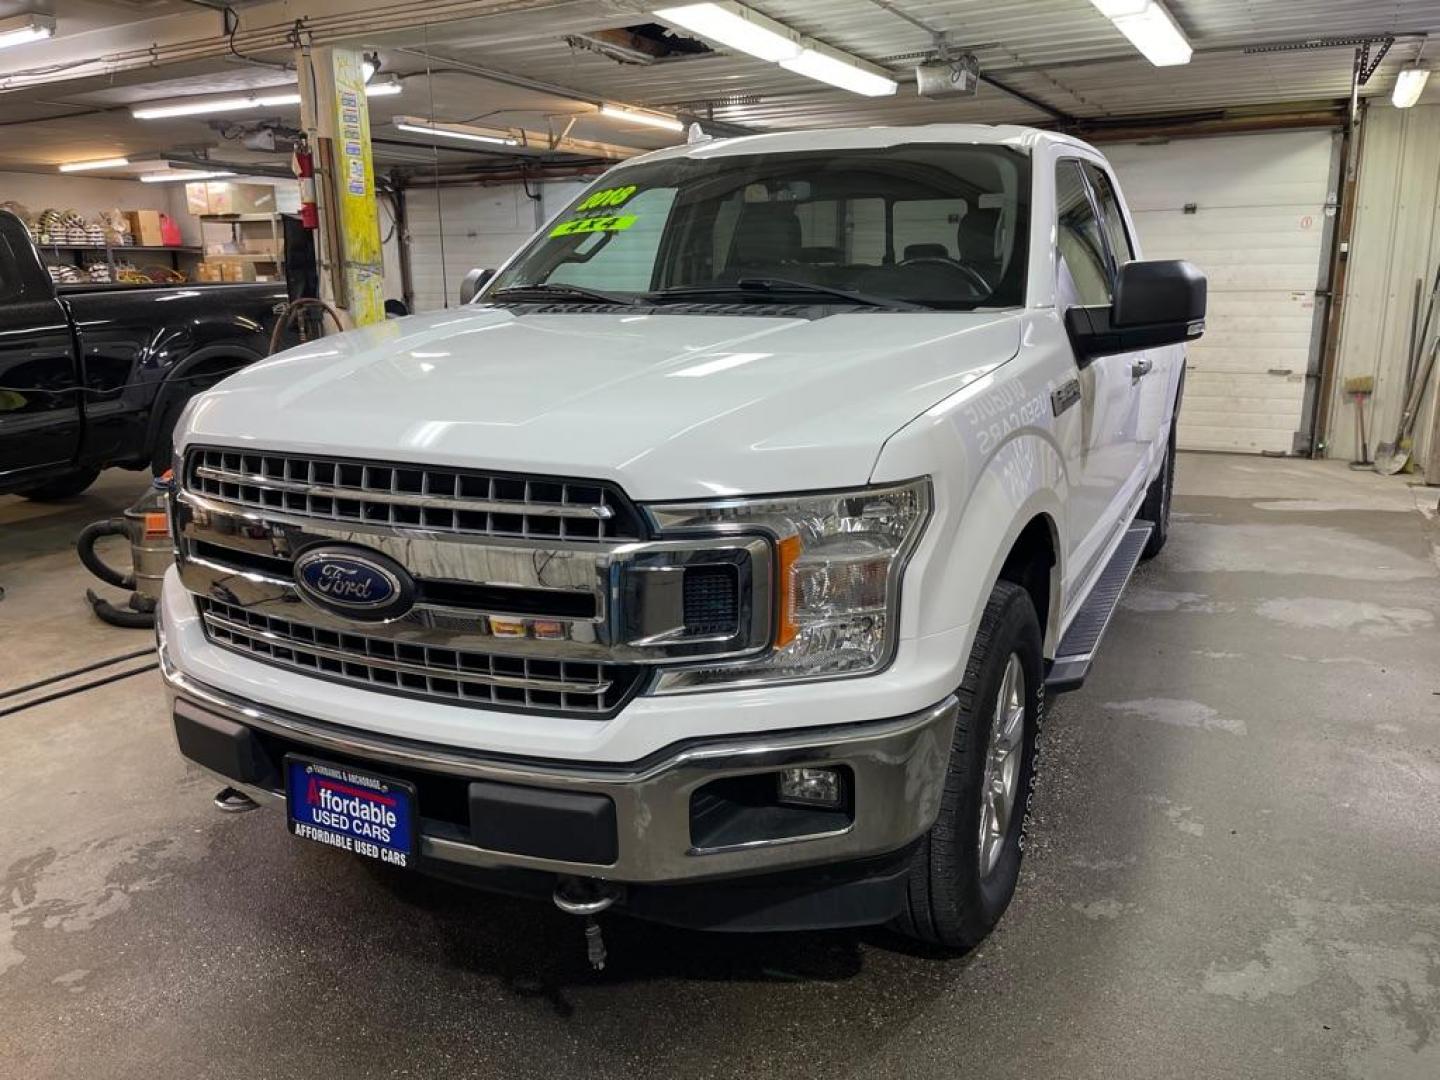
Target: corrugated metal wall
[{"x": 1396, "y": 240}]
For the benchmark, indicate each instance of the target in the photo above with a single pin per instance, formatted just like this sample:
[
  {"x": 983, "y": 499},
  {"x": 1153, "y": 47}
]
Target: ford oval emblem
[{"x": 354, "y": 583}]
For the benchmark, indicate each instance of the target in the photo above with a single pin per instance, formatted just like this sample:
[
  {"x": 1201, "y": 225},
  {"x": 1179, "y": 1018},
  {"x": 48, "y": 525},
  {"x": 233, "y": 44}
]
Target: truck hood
[{"x": 670, "y": 406}]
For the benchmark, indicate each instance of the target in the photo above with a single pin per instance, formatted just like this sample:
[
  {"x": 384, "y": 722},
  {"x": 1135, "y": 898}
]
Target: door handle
[{"x": 1142, "y": 367}]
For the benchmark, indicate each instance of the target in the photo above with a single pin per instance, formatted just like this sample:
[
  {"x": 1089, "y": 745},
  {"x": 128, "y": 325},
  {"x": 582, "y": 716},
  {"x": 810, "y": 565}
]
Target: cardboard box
[
  {"x": 197, "y": 198},
  {"x": 223, "y": 197},
  {"x": 260, "y": 245},
  {"x": 237, "y": 271},
  {"x": 145, "y": 227},
  {"x": 210, "y": 271}
]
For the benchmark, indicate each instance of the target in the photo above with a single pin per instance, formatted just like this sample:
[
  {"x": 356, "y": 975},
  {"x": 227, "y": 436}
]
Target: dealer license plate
[{"x": 351, "y": 810}]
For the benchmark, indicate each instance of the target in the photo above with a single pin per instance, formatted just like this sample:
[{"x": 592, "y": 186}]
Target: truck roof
[{"x": 864, "y": 138}]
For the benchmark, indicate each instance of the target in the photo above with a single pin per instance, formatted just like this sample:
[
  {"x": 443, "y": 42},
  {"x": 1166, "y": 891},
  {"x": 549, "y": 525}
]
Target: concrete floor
[{"x": 1236, "y": 868}]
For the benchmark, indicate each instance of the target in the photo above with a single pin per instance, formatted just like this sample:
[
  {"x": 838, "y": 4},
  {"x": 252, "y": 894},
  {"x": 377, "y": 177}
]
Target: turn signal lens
[{"x": 788, "y": 551}]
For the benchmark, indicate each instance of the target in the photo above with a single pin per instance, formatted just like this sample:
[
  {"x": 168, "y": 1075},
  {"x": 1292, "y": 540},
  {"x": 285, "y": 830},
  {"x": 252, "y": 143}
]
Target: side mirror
[
  {"x": 473, "y": 282},
  {"x": 1156, "y": 303}
]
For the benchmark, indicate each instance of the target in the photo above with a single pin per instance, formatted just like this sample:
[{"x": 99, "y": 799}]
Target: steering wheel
[{"x": 976, "y": 278}]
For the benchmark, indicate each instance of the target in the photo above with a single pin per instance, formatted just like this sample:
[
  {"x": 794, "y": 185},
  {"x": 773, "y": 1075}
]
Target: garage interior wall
[
  {"x": 482, "y": 227},
  {"x": 91, "y": 194},
  {"x": 1395, "y": 242},
  {"x": 1253, "y": 212}
]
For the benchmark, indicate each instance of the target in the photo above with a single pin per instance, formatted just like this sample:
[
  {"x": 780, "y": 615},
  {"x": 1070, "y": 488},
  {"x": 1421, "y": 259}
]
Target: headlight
[{"x": 839, "y": 560}]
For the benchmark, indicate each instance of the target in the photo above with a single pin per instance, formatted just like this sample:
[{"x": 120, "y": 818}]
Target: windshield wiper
[
  {"x": 757, "y": 286},
  {"x": 542, "y": 291}
]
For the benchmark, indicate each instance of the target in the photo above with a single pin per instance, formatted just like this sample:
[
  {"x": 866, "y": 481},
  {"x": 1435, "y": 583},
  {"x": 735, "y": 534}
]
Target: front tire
[{"x": 963, "y": 874}]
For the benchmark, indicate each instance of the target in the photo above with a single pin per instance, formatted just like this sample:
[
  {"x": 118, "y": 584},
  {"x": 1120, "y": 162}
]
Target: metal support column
[{"x": 336, "y": 120}]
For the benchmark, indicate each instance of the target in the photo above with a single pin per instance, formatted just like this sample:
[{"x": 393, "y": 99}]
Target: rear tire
[
  {"x": 65, "y": 486},
  {"x": 1156, "y": 507},
  {"x": 963, "y": 874}
]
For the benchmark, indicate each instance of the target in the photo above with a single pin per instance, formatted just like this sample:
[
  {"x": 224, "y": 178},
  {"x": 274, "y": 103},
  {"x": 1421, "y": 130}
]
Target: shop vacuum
[{"x": 147, "y": 527}]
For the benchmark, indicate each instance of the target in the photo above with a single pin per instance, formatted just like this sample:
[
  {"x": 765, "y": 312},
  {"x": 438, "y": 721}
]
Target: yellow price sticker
[
  {"x": 610, "y": 197},
  {"x": 605, "y": 223}
]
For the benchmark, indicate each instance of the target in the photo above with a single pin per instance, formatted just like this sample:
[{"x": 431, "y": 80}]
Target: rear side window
[
  {"x": 1084, "y": 270},
  {"x": 9, "y": 270},
  {"x": 1121, "y": 248}
]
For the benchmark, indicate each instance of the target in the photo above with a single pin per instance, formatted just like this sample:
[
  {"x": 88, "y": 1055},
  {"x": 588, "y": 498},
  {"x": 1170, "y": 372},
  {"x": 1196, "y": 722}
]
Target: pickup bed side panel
[
  {"x": 144, "y": 352},
  {"x": 993, "y": 450}
]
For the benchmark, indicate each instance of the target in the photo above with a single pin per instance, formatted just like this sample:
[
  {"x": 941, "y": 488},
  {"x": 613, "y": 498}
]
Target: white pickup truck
[{"x": 714, "y": 561}]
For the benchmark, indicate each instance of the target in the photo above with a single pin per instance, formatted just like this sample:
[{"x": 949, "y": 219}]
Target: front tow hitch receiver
[
  {"x": 587, "y": 897},
  {"x": 229, "y": 801}
]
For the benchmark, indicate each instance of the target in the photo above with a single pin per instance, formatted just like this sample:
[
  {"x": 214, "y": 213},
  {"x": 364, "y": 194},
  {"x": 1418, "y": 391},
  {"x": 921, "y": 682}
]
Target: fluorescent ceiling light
[
  {"x": 652, "y": 119},
  {"x": 463, "y": 132},
  {"x": 103, "y": 163},
  {"x": 1114, "y": 9},
  {"x": 384, "y": 88},
  {"x": 237, "y": 103},
  {"x": 842, "y": 73},
  {"x": 1409, "y": 85},
  {"x": 1155, "y": 34},
  {"x": 23, "y": 29},
  {"x": 736, "y": 27},
  {"x": 173, "y": 175}
]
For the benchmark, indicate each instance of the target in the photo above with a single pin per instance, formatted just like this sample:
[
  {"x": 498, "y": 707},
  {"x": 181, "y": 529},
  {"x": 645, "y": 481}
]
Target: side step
[{"x": 1077, "y": 648}]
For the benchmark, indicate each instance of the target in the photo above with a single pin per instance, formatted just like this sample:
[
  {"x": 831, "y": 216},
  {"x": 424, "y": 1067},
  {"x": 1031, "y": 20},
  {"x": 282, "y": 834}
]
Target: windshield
[{"x": 935, "y": 225}]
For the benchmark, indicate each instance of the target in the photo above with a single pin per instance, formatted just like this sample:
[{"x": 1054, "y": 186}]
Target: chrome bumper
[{"x": 898, "y": 769}]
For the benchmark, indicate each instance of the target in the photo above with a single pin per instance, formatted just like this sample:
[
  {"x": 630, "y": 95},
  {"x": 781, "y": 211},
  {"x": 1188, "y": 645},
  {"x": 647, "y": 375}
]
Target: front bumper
[{"x": 895, "y": 769}]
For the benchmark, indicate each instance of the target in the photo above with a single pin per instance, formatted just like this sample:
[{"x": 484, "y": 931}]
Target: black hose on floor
[
  {"x": 85, "y": 546},
  {"x": 77, "y": 689},
  {"x": 75, "y": 671}
]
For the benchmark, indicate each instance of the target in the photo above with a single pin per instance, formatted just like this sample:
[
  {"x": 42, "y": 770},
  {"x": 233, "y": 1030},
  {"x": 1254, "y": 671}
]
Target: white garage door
[
  {"x": 482, "y": 226},
  {"x": 1257, "y": 226}
]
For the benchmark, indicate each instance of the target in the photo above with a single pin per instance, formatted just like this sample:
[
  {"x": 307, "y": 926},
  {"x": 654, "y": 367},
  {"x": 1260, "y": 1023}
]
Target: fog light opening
[{"x": 823, "y": 788}]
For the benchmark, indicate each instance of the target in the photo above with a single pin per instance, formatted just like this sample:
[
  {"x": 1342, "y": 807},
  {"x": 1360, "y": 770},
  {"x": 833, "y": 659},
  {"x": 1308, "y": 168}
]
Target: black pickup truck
[{"x": 95, "y": 376}]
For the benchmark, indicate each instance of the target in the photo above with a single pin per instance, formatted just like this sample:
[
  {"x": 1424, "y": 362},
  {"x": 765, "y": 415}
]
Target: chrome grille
[
  {"x": 570, "y": 687},
  {"x": 410, "y": 496}
]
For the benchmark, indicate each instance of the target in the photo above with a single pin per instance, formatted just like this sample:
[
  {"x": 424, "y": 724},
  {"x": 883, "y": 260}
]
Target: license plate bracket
[{"x": 352, "y": 809}]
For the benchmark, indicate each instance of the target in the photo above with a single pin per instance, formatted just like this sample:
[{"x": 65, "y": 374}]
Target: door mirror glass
[
  {"x": 473, "y": 282},
  {"x": 1156, "y": 303}
]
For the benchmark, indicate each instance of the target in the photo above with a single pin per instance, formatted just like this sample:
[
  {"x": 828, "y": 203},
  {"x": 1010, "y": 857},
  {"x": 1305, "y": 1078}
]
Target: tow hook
[
  {"x": 229, "y": 801},
  {"x": 587, "y": 897}
]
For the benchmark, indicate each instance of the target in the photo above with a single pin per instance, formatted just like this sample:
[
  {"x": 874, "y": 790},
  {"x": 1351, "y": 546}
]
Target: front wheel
[{"x": 965, "y": 870}]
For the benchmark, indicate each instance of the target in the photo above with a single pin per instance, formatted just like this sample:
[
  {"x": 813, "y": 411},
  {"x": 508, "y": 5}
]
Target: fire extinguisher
[{"x": 303, "y": 165}]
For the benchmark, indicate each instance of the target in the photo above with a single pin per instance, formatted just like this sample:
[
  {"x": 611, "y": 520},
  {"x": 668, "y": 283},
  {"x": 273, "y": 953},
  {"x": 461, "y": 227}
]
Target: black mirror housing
[
  {"x": 1156, "y": 303},
  {"x": 473, "y": 282}
]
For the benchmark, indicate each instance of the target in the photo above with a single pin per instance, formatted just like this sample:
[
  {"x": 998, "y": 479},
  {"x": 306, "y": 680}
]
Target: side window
[
  {"x": 865, "y": 231},
  {"x": 622, "y": 260},
  {"x": 1113, "y": 219},
  {"x": 9, "y": 271},
  {"x": 928, "y": 228},
  {"x": 1084, "y": 274},
  {"x": 817, "y": 224}
]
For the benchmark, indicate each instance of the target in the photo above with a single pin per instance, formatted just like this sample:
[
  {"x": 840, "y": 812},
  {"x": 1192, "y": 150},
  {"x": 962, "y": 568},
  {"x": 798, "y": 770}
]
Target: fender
[
  {"x": 1003, "y": 470},
  {"x": 196, "y": 371}
]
